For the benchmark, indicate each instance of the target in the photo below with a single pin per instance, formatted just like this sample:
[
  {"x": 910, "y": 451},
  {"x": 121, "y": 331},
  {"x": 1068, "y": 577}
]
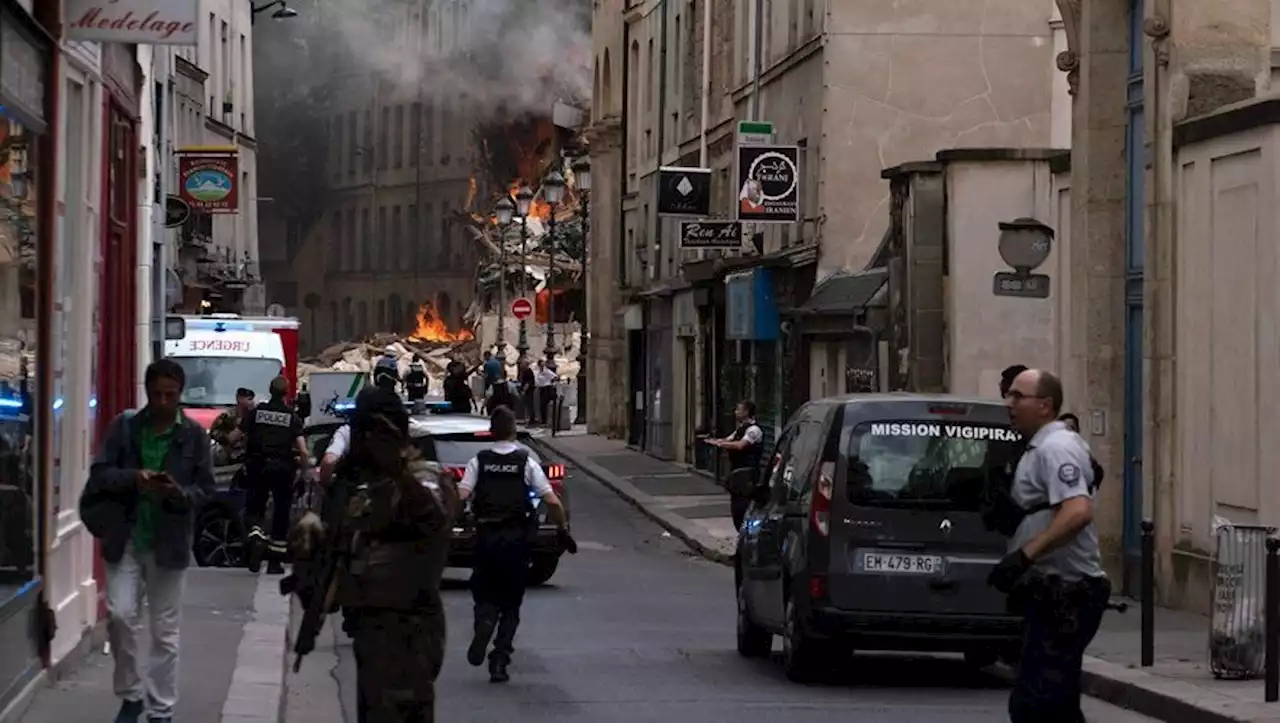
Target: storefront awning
[{"x": 844, "y": 295}]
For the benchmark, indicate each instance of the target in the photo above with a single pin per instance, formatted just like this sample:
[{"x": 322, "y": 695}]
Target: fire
[
  {"x": 538, "y": 209},
  {"x": 471, "y": 192},
  {"x": 432, "y": 328}
]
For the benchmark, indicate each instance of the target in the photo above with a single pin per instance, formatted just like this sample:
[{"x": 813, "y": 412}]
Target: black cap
[{"x": 245, "y": 392}]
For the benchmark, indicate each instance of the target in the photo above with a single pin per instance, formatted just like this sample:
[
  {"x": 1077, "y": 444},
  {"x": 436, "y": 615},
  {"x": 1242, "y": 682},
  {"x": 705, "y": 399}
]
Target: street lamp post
[
  {"x": 283, "y": 13},
  {"x": 582, "y": 178},
  {"x": 503, "y": 212},
  {"x": 524, "y": 198},
  {"x": 553, "y": 193}
]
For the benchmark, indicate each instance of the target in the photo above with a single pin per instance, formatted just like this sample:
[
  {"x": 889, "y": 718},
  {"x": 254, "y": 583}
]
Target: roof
[
  {"x": 844, "y": 294},
  {"x": 422, "y": 425}
]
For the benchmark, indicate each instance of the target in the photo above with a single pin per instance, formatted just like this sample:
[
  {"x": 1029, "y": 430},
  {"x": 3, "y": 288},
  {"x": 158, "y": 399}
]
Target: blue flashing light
[
  {"x": 57, "y": 404},
  {"x": 339, "y": 407},
  {"x": 93, "y": 402},
  {"x": 218, "y": 325},
  {"x": 10, "y": 403}
]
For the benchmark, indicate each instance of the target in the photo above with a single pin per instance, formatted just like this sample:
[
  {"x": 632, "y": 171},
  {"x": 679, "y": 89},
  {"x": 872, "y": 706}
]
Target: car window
[
  {"x": 455, "y": 450},
  {"x": 906, "y": 463},
  {"x": 776, "y": 471},
  {"x": 805, "y": 448}
]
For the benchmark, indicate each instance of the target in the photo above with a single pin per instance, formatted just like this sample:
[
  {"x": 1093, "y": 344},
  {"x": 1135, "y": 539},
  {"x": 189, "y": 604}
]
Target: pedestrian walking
[
  {"x": 544, "y": 380},
  {"x": 274, "y": 450},
  {"x": 1053, "y": 572},
  {"x": 152, "y": 470},
  {"x": 401, "y": 516},
  {"x": 499, "y": 480}
]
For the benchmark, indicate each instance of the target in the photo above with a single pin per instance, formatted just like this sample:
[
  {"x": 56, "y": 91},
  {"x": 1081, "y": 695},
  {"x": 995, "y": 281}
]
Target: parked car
[
  {"x": 219, "y": 528},
  {"x": 451, "y": 440},
  {"x": 871, "y": 537}
]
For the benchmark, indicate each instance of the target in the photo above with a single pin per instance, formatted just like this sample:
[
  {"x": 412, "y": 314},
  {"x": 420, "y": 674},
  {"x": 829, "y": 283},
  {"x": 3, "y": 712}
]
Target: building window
[
  {"x": 411, "y": 237},
  {"x": 394, "y": 259},
  {"x": 362, "y": 318},
  {"x": 397, "y": 139},
  {"x": 415, "y": 134},
  {"x": 348, "y": 319},
  {"x": 349, "y": 242},
  {"x": 420, "y": 243},
  {"x": 337, "y": 140},
  {"x": 396, "y": 314},
  {"x": 382, "y": 315},
  {"x": 335, "y": 242},
  {"x": 333, "y": 321},
  {"x": 366, "y": 238},
  {"x": 384, "y": 138},
  {"x": 353, "y": 147},
  {"x": 367, "y": 148},
  {"x": 379, "y": 247}
]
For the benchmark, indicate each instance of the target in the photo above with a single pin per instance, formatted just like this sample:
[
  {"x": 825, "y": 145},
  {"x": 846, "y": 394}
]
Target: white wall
[
  {"x": 143, "y": 281},
  {"x": 71, "y": 585},
  {"x": 986, "y": 332}
]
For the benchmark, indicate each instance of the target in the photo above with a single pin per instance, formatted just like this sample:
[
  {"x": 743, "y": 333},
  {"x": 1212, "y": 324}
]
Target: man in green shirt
[{"x": 152, "y": 473}]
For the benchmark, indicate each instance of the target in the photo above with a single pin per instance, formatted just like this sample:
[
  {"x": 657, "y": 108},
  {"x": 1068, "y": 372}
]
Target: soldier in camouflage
[
  {"x": 400, "y": 519},
  {"x": 226, "y": 429}
]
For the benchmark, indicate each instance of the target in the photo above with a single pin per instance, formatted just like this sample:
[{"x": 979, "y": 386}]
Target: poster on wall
[
  {"x": 769, "y": 184},
  {"x": 207, "y": 180},
  {"x": 145, "y": 22}
]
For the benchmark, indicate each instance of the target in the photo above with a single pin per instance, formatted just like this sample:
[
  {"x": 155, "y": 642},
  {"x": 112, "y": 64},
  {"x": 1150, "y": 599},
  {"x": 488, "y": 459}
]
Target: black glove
[
  {"x": 567, "y": 542},
  {"x": 1009, "y": 570}
]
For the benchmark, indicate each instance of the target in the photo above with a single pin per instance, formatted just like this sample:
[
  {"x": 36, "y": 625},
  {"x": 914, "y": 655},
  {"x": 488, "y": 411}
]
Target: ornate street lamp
[
  {"x": 285, "y": 12},
  {"x": 582, "y": 179},
  {"x": 524, "y": 199},
  {"x": 503, "y": 213},
  {"x": 553, "y": 193}
]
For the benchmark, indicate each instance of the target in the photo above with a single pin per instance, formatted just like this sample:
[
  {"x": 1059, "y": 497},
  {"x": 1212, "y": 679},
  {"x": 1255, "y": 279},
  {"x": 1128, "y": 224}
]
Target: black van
[{"x": 871, "y": 537}]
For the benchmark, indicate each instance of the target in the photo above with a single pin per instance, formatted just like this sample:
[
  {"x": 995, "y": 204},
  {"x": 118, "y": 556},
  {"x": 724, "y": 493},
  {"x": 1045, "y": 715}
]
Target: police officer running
[
  {"x": 415, "y": 382},
  {"x": 386, "y": 373},
  {"x": 746, "y": 450},
  {"x": 1053, "y": 572},
  {"x": 498, "y": 481},
  {"x": 273, "y": 448}
]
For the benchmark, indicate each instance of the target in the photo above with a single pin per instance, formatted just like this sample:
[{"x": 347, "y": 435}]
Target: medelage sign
[{"x": 146, "y": 22}]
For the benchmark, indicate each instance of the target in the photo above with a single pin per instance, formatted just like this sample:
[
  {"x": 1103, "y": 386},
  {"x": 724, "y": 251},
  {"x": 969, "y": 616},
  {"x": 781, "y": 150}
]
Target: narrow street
[{"x": 635, "y": 629}]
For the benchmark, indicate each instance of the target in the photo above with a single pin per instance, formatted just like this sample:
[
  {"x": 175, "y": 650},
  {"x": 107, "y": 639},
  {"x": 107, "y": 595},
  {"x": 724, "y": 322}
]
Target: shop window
[{"x": 19, "y": 519}]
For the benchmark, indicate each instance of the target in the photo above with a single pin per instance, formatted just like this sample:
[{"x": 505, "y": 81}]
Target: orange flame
[
  {"x": 432, "y": 328},
  {"x": 471, "y": 192},
  {"x": 539, "y": 209}
]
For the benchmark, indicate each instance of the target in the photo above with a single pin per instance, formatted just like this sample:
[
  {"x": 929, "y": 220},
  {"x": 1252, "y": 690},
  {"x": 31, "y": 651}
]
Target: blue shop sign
[{"x": 751, "y": 314}]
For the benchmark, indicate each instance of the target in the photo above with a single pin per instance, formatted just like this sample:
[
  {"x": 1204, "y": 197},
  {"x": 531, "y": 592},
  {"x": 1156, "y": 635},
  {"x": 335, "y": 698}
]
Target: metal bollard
[
  {"x": 1272, "y": 613},
  {"x": 1148, "y": 593}
]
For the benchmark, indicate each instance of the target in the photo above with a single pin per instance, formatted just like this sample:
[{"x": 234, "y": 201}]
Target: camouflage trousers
[
  {"x": 1059, "y": 621},
  {"x": 398, "y": 657}
]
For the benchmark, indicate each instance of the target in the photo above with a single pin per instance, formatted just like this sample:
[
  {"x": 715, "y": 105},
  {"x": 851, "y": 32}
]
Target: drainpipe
[
  {"x": 624, "y": 128},
  {"x": 757, "y": 61},
  {"x": 159, "y": 234},
  {"x": 662, "y": 137},
  {"x": 1157, "y": 483},
  {"x": 706, "y": 92}
]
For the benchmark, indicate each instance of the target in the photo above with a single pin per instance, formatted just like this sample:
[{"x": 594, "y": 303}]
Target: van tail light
[
  {"x": 820, "y": 509},
  {"x": 457, "y": 472},
  {"x": 817, "y": 587},
  {"x": 555, "y": 475}
]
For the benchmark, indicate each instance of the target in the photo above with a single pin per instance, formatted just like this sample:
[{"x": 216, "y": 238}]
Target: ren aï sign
[{"x": 146, "y": 22}]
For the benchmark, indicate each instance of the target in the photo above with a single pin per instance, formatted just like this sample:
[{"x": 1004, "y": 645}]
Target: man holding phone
[{"x": 152, "y": 472}]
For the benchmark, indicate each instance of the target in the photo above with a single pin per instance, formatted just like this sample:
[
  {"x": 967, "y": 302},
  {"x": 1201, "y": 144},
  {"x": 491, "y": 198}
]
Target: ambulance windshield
[{"x": 213, "y": 381}]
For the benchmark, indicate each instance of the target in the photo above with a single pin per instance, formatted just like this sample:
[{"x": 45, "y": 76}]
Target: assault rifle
[{"x": 321, "y": 574}]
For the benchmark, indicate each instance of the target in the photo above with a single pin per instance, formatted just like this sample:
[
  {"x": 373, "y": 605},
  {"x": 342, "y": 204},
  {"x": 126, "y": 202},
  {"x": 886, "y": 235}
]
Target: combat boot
[
  {"x": 484, "y": 627},
  {"x": 255, "y": 549},
  {"x": 130, "y": 711}
]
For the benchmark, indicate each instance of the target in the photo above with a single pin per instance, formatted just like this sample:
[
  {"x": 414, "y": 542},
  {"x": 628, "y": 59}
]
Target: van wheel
[
  {"x": 753, "y": 640},
  {"x": 218, "y": 540},
  {"x": 802, "y": 655}
]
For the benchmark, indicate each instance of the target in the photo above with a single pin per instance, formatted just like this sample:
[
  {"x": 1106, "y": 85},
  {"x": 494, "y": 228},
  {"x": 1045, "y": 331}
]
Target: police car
[{"x": 451, "y": 440}]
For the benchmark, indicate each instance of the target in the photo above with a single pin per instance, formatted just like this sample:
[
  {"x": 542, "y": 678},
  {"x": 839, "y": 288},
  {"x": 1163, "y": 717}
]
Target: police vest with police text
[
  {"x": 501, "y": 495},
  {"x": 270, "y": 435}
]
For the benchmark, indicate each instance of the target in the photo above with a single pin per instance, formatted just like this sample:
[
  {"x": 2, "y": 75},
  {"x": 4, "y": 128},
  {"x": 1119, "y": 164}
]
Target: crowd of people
[{"x": 532, "y": 395}]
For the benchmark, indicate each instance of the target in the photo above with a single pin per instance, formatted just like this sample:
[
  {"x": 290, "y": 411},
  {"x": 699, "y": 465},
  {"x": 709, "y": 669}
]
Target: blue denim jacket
[{"x": 109, "y": 502}]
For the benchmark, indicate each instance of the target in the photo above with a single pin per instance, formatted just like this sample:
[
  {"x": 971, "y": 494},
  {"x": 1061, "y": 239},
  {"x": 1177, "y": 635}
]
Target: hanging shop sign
[
  {"x": 710, "y": 234},
  {"x": 684, "y": 191},
  {"x": 176, "y": 211},
  {"x": 769, "y": 184},
  {"x": 145, "y": 22},
  {"x": 207, "y": 180}
]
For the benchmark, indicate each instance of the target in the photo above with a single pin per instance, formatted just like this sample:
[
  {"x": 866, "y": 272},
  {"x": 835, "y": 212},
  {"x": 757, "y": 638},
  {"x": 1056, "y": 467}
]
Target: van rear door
[{"x": 906, "y": 531}]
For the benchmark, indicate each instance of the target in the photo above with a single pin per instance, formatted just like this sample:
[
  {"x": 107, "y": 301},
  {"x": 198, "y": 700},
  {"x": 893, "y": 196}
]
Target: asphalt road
[{"x": 634, "y": 629}]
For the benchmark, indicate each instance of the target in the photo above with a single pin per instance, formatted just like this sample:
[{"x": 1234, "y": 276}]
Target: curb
[
  {"x": 688, "y": 532},
  {"x": 1146, "y": 694},
  {"x": 257, "y": 692}
]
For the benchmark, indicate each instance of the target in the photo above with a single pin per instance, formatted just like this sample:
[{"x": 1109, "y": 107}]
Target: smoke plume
[{"x": 503, "y": 56}]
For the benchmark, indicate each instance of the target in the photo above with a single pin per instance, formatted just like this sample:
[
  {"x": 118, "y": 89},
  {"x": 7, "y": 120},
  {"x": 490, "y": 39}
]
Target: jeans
[
  {"x": 128, "y": 580},
  {"x": 1059, "y": 621}
]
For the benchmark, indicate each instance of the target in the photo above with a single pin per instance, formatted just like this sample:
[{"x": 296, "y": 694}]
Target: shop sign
[
  {"x": 769, "y": 184},
  {"x": 145, "y": 22},
  {"x": 684, "y": 191},
  {"x": 710, "y": 234},
  {"x": 751, "y": 314},
  {"x": 207, "y": 181},
  {"x": 176, "y": 211}
]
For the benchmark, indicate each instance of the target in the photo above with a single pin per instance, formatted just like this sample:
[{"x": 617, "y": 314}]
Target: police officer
[
  {"x": 225, "y": 430},
  {"x": 415, "y": 381},
  {"x": 273, "y": 448},
  {"x": 391, "y": 590},
  {"x": 498, "y": 480},
  {"x": 1053, "y": 572},
  {"x": 746, "y": 450},
  {"x": 386, "y": 373}
]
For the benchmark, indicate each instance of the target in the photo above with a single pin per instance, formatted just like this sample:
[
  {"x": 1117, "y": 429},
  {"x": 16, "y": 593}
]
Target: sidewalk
[
  {"x": 231, "y": 667},
  {"x": 1179, "y": 687}
]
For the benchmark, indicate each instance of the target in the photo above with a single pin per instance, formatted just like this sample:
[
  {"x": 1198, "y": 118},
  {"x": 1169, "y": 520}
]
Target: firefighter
[{"x": 273, "y": 447}]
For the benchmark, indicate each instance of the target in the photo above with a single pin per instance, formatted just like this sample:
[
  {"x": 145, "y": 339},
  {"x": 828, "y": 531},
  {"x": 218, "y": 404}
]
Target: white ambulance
[{"x": 221, "y": 353}]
